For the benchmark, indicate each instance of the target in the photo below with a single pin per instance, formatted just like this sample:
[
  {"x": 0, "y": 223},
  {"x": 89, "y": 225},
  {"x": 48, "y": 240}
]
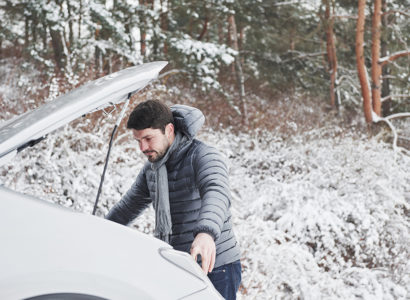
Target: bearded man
[{"x": 187, "y": 183}]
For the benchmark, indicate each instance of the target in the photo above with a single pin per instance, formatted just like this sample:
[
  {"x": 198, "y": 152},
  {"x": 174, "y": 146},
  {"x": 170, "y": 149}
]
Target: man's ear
[{"x": 169, "y": 130}]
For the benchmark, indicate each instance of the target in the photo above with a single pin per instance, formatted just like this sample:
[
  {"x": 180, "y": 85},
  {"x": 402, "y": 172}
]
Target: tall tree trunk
[
  {"x": 143, "y": 34},
  {"x": 164, "y": 22},
  {"x": 57, "y": 40},
  {"x": 44, "y": 33},
  {"x": 386, "y": 105},
  {"x": 241, "y": 37},
  {"x": 292, "y": 39},
  {"x": 97, "y": 53},
  {"x": 26, "y": 31},
  {"x": 143, "y": 43},
  {"x": 239, "y": 73},
  {"x": 34, "y": 25},
  {"x": 204, "y": 29},
  {"x": 70, "y": 25},
  {"x": 80, "y": 19},
  {"x": 331, "y": 52},
  {"x": 58, "y": 48},
  {"x": 376, "y": 67},
  {"x": 220, "y": 32},
  {"x": 361, "y": 68}
]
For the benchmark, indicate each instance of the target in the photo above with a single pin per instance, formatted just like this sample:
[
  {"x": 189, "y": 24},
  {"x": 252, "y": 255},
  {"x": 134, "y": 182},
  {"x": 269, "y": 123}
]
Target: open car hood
[{"x": 31, "y": 126}]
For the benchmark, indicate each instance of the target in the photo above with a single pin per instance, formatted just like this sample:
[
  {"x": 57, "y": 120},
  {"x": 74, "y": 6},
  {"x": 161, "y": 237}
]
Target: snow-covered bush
[
  {"x": 320, "y": 218},
  {"x": 202, "y": 60}
]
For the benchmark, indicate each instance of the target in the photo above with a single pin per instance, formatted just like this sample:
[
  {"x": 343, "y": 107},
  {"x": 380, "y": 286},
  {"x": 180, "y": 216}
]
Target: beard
[{"x": 154, "y": 155}]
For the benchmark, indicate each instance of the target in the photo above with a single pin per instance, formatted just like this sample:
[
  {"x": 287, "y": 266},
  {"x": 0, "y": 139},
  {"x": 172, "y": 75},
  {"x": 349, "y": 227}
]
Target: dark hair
[{"x": 150, "y": 114}]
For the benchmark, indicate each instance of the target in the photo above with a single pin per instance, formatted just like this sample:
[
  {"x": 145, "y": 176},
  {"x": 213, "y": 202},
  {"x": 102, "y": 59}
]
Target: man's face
[{"x": 153, "y": 143}]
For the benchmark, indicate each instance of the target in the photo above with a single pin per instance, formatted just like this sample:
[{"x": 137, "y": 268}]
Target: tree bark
[
  {"x": 204, "y": 29},
  {"x": 57, "y": 41},
  {"x": 376, "y": 67},
  {"x": 220, "y": 32},
  {"x": 97, "y": 54},
  {"x": 386, "y": 105},
  {"x": 331, "y": 52},
  {"x": 143, "y": 34},
  {"x": 34, "y": 25},
  {"x": 361, "y": 68},
  {"x": 70, "y": 25},
  {"x": 241, "y": 37},
  {"x": 239, "y": 74},
  {"x": 164, "y": 22},
  {"x": 44, "y": 33},
  {"x": 58, "y": 48},
  {"x": 80, "y": 19},
  {"x": 26, "y": 31}
]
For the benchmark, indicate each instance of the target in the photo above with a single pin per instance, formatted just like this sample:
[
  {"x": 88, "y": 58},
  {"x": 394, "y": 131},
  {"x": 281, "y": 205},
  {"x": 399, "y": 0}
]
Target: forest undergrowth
[{"x": 320, "y": 205}]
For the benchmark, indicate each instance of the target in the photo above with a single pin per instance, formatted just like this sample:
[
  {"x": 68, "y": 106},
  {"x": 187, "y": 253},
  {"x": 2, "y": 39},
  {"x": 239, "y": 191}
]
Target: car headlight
[{"x": 184, "y": 261}]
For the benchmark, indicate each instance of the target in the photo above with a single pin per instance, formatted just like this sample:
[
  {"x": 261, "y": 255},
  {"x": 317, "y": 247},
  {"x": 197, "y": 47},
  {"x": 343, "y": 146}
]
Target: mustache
[{"x": 149, "y": 151}]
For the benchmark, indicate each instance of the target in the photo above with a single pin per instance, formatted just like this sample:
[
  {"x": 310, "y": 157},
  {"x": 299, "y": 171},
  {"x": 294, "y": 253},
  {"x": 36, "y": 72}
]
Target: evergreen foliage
[{"x": 281, "y": 44}]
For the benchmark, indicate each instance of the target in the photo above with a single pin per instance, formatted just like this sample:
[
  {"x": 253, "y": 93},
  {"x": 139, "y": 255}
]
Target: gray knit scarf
[{"x": 163, "y": 222}]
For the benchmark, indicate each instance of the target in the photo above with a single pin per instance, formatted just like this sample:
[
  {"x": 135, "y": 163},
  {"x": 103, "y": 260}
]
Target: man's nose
[{"x": 143, "y": 146}]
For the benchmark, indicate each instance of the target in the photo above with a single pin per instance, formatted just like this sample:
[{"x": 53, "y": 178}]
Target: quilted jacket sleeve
[
  {"x": 211, "y": 176},
  {"x": 132, "y": 203}
]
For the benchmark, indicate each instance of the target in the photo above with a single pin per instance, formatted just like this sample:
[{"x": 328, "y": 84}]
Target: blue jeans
[{"x": 226, "y": 279}]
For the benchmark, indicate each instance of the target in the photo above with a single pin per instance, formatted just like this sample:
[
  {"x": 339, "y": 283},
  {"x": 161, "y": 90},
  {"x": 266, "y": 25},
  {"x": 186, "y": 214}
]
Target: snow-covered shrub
[{"x": 320, "y": 218}]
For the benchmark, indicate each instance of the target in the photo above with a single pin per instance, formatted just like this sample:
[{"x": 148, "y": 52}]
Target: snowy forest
[{"x": 308, "y": 100}]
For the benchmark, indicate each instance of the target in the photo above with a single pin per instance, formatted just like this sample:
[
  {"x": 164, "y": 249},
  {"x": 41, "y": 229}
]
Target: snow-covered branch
[
  {"x": 286, "y": 3},
  {"x": 399, "y": 115},
  {"x": 387, "y": 119},
  {"x": 394, "y": 96},
  {"x": 404, "y": 13},
  {"x": 390, "y": 58}
]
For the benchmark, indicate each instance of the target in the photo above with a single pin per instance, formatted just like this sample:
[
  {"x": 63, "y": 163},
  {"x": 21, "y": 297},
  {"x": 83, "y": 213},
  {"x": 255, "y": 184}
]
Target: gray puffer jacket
[{"x": 199, "y": 192}]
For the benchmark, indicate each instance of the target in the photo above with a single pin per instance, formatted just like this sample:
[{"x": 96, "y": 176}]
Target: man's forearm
[{"x": 126, "y": 210}]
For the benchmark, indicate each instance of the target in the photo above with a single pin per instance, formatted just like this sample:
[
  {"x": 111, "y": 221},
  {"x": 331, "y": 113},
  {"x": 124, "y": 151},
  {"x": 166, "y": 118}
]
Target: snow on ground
[{"x": 320, "y": 215}]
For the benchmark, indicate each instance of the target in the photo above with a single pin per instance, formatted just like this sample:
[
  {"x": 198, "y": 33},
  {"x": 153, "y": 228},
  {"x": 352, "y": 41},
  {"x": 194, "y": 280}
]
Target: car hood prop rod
[{"x": 117, "y": 124}]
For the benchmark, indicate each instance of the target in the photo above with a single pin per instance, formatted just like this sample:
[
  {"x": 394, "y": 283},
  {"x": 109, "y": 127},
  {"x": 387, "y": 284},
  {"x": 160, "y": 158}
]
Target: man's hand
[{"x": 204, "y": 245}]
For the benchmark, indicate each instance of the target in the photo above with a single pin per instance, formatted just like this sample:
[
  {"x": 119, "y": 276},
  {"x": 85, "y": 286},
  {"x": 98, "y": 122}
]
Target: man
[{"x": 187, "y": 182}]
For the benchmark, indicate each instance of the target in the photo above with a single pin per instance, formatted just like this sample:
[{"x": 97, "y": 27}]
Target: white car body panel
[{"x": 60, "y": 250}]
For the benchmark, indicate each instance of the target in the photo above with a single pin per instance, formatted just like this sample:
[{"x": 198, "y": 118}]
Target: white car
[{"x": 51, "y": 252}]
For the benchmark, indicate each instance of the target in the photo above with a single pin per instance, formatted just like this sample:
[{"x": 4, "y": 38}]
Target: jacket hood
[{"x": 188, "y": 120}]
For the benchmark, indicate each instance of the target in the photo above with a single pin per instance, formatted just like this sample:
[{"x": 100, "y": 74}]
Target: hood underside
[{"x": 95, "y": 95}]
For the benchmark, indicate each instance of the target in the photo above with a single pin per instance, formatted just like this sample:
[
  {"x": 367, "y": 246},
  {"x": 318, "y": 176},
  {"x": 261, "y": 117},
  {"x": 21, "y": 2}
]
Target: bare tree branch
[{"x": 344, "y": 17}]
